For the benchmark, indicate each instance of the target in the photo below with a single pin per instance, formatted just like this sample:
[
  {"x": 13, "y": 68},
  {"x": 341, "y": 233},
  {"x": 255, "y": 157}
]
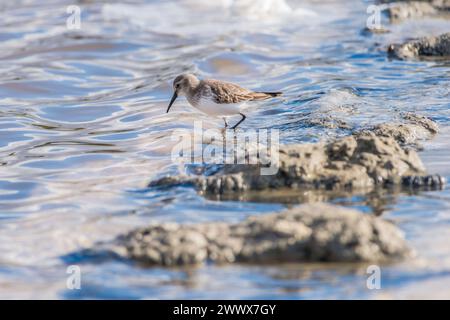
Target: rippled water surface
[{"x": 83, "y": 129}]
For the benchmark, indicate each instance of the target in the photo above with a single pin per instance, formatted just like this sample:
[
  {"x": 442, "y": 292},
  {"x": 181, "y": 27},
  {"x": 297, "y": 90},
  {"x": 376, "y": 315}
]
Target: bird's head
[{"x": 182, "y": 85}]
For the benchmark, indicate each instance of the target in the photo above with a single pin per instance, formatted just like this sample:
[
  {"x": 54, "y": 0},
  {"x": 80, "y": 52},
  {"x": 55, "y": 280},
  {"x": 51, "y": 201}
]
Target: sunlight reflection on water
[{"x": 83, "y": 129}]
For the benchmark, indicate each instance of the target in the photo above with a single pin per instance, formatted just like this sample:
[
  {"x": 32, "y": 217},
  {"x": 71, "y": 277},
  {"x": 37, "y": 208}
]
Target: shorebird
[{"x": 215, "y": 97}]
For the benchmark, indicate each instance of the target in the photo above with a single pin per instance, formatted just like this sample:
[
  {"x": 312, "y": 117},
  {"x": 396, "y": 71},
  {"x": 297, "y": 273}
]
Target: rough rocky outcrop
[
  {"x": 425, "y": 47},
  {"x": 408, "y": 133},
  {"x": 329, "y": 122},
  {"x": 401, "y": 10},
  {"x": 359, "y": 161},
  {"x": 408, "y": 10},
  {"x": 316, "y": 232}
]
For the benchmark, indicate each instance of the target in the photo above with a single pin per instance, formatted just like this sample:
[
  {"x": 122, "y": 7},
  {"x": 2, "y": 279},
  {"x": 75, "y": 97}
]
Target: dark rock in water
[
  {"x": 376, "y": 157},
  {"x": 316, "y": 232},
  {"x": 430, "y": 181},
  {"x": 352, "y": 162},
  {"x": 169, "y": 182},
  {"x": 425, "y": 47}
]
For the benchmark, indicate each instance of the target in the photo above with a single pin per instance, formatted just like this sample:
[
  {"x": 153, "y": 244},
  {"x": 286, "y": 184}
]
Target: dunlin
[{"x": 215, "y": 97}]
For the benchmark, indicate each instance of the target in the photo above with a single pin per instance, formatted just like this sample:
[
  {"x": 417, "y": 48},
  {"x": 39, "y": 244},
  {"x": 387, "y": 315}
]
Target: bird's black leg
[
  {"x": 225, "y": 120},
  {"x": 240, "y": 121}
]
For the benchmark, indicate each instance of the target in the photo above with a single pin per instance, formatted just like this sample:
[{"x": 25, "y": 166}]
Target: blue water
[{"x": 83, "y": 129}]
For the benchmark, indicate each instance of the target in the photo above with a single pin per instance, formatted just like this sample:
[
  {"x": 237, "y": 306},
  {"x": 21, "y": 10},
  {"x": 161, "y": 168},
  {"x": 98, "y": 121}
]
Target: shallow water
[{"x": 83, "y": 129}]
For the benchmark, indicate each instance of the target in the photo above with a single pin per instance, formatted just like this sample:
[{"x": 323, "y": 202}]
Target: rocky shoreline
[
  {"x": 375, "y": 157},
  {"x": 381, "y": 156}
]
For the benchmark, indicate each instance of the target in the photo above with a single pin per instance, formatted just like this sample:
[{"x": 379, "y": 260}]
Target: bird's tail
[{"x": 265, "y": 95}]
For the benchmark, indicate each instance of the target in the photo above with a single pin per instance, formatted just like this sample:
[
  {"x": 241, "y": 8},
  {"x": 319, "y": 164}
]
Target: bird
[{"x": 216, "y": 97}]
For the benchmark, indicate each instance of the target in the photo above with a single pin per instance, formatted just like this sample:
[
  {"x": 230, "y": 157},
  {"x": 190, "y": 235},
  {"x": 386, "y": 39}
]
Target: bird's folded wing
[{"x": 226, "y": 92}]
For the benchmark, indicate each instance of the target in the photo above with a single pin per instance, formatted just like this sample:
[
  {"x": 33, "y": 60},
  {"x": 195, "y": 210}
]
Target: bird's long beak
[{"x": 174, "y": 97}]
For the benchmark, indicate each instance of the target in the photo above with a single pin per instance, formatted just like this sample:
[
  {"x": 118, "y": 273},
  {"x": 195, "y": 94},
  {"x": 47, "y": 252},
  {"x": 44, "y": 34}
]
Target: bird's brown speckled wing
[{"x": 226, "y": 92}]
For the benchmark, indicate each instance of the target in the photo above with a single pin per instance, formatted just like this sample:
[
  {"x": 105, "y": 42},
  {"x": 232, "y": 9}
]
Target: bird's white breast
[{"x": 211, "y": 108}]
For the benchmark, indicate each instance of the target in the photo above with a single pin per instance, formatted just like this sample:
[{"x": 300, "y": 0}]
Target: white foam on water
[
  {"x": 253, "y": 9},
  {"x": 188, "y": 16}
]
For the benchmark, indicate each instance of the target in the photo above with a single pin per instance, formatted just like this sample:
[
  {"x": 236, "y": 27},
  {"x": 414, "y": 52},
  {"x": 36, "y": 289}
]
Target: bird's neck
[
  {"x": 193, "y": 84},
  {"x": 192, "y": 87}
]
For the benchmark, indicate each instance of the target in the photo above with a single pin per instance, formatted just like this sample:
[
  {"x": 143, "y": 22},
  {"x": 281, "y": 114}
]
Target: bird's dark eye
[{"x": 177, "y": 85}]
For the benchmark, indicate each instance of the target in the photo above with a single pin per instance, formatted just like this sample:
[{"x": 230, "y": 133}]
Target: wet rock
[
  {"x": 401, "y": 10},
  {"x": 426, "y": 123},
  {"x": 402, "y": 133},
  {"x": 425, "y": 182},
  {"x": 414, "y": 129},
  {"x": 329, "y": 122},
  {"x": 316, "y": 232},
  {"x": 358, "y": 161},
  {"x": 370, "y": 31},
  {"x": 408, "y": 10},
  {"x": 425, "y": 47},
  {"x": 381, "y": 156}
]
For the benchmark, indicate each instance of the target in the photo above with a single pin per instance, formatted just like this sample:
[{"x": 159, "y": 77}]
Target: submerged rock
[
  {"x": 329, "y": 122},
  {"x": 425, "y": 47},
  {"x": 316, "y": 232}
]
